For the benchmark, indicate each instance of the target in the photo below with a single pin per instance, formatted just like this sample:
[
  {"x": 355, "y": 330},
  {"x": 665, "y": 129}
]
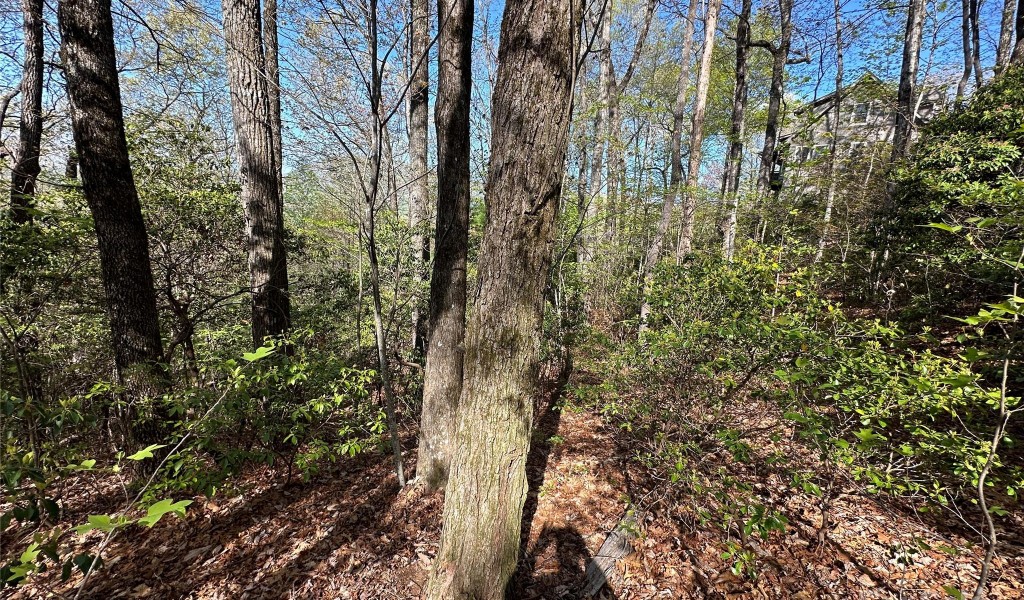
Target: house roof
[{"x": 867, "y": 77}]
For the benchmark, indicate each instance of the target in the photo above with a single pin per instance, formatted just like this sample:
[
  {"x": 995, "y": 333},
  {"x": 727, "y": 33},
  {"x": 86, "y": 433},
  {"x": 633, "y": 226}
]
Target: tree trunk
[
  {"x": 97, "y": 122},
  {"x": 270, "y": 44},
  {"x": 968, "y": 49},
  {"x": 1017, "y": 56},
  {"x": 734, "y": 159},
  {"x": 908, "y": 80},
  {"x": 676, "y": 168},
  {"x": 442, "y": 375},
  {"x": 531, "y": 113},
  {"x": 419, "y": 90},
  {"x": 591, "y": 233},
  {"x": 1005, "y": 36},
  {"x": 830, "y": 195},
  {"x": 261, "y": 186},
  {"x": 697, "y": 132},
  {"x": 26, "y": 166},
  {"x": 780, "y": 58}
]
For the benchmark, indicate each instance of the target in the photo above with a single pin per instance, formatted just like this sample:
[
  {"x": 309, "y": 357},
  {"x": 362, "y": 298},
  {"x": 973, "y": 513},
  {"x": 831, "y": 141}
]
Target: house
[{"x": 867, "y": 118}]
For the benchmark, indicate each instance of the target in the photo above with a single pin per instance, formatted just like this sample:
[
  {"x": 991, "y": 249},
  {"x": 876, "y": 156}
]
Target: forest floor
[{"x": 351, "y": 533}]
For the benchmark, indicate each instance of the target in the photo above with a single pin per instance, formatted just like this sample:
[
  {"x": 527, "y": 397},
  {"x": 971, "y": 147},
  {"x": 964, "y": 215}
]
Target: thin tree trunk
[
  {"x": 260, "y": 173},
  {"x": 419, "y": 91},
  {"x": 908, "y": 80},
  {"x": 97, "y": 122},
  {"x": 697, "y": 132},
  {"x": 26, "y": 167},
  {"x": 1005, "y": 44},
  {"x": 442, "y": 375},
  {"x": 602, "y": 120},
  {"x": 780, "y": 58},
  {"x": 734, "y": 159},
  {"x": 968, "y": 49},
  {"x": 830, "y": 195},
  {"x": 676, "y": 159},
  {"x": 979, "y": 75},
  {"x": 531, "y": 114}
]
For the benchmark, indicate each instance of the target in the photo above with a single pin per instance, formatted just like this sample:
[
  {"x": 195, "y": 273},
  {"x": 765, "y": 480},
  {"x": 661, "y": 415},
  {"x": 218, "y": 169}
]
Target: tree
[
  {"x": 780, "y": 58},
  {"x": 97, "y": 121},
  {"x": 734, "y": 159},
  {"x": 697, "y": 131},
  {"x": 833, "y": 145},
  {"x": 442, "y": 375},
  {"x": 1004, "y": 45},
  {"x": 419, "y": 91},
  {"x": 531, "y": 112},
  {"x": 676, "y": 159},
  {"x": 253, "y": 117},
  {"x": 26, "y": 167},
  {"x": 908, "y": 80}
]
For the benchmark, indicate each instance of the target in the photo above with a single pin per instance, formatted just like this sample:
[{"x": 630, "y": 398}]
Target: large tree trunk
[
  {"x": 97, "y": 121},
  {"x": 697, "y": 131},
  {"x": 830, "y": 194},
  {"x": 419, "y": 90},
  {"x": 531, "y": 113},
  {"x": 908, "y": 80},
  {"x": 260, "y": 173},
  {"x": 442, "y": 375},
  {"x": 1017, "y": 56},
  {"x": 734, "y": 159},
  {"x": 676, "y": 168},
  {"x": 1005, "y": 44},
  {"x": 26, "y": 166}
]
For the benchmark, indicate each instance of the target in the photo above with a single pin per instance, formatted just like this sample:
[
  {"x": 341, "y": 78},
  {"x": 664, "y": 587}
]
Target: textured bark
[
  {"x": 261, "y": 185},
  {"x": 442, "y": 375},
  {"x": 908, "y": 80},
  {"x": 419, "y": 91},
  {"x": 1005, "y": 44},
  {"x": 676, "y": 168},
  {"x": 531, "y": 112},
  {"x": 97, "y": 121},
  {"x": 697, "y": 131},
  {"x": 270, "y": 44},
  {"x": 1017, "y": 56},
  {"x": 780, "y": 58},
  {"x": 830, "y": 194},
  {"x": 734, "y": 158},
  {"x": 968, "y": 49},
  {"x": 30, "y": 128}
]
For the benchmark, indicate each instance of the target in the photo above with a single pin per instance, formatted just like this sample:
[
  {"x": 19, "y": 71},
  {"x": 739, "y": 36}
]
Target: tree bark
[
  {"x": 1017, "y": 56},
  {"x": 1005, "y": 44},
  {"x": 602, "y": 122},
  {"x": 830, "y": 194},
  {"x": 734, "y": 158},
  {"x": 260, "y": 173},
  {"x": 30, "y": 129},
  {"x": 419, "y": 90},
  {"x": 908, "y": 80},
  {"x": 97, "y": 122},
  {"x": 531, "y": 114},
  {"x": 676, "y": 168},
  {"x": 442, "y": 375},
  {"x": 270, "y": 43},
  {"x": 697, "y": 132},
  {"x": 780, "y": 58}
]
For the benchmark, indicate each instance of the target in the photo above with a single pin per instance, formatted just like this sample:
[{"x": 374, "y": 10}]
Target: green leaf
[
  {"x": 954, "y": 592},
  {"x": 261, "y": 352},
  {"x": 155, "y": 512},
  {"x": 146, "y": 452}
]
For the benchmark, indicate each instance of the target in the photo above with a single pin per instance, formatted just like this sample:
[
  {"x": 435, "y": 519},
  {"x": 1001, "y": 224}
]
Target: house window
[
  {"x": 860, "y": 113},
  {"x": 802, "y": 153}
]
